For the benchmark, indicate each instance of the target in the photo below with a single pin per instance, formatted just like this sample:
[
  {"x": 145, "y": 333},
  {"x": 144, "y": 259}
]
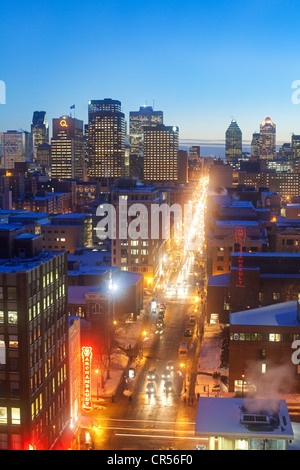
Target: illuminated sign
[
  {"x": 63, "y": 123},
  {"x": 240, "y": 238},
  {"x": 87, "y": 354}
]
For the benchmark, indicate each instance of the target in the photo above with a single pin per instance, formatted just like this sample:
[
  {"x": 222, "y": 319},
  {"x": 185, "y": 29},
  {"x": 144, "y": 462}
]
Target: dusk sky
[{"x": 201, "y": 63}]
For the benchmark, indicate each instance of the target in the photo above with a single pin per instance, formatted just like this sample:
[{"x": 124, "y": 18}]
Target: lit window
[
  {"x": 263, "y": 368},
  {"x": 15, "y": 416},
  {"x": 12, "y": 317},
  {"x": 3, "y": 415}
]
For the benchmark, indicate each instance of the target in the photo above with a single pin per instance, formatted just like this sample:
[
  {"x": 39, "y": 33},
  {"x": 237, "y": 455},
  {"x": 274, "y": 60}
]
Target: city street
[{"x": 153, "y": 418}]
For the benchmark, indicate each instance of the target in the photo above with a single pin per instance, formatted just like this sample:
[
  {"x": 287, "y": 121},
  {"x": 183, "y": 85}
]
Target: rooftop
[
  {"x": 227, "y": 417},
  {"x": 281, "y": 314}
]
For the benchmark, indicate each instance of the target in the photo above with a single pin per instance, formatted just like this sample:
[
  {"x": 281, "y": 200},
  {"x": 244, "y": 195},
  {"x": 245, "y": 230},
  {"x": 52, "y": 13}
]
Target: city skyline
[{"x": 202, "y": 65}]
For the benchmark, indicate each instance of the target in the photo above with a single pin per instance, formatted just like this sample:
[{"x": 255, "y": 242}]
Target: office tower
[
  {"x": 34, "y": 398},
  {"x": 233, "y": 144},
  {"x": 194, "y": 152},
  {"x": 39, "y": 130},
  {"x": 67, "y": 149},
  {"x": 161, "y": 154},
  {"x": 267, "y": 143},
  {"x": 16, "y": 146},
  {"x": 255, "y": 144},
  {"x": 145, "y": 117},
  {"x": 106, "y": 134}
]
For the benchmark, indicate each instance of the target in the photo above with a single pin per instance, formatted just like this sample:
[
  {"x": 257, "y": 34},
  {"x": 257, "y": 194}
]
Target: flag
[{"x": 72, "y": 107}]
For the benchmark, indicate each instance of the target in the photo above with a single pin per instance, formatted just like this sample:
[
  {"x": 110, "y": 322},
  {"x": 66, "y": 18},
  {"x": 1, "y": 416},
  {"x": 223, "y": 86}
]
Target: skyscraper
[
  {"x": 16, "y": 146},
  {"x": 67, "y": 149},
  {"x": 255, "y": 144},
  {"x": 233, "y": 144},
  {"x": 267, "y": 144},
  {"x": 161, "y": 154},
  {"x": 146, "y": 116},
  {"x": 106, "y": 134},
  {"x": 39, "y": 130}
]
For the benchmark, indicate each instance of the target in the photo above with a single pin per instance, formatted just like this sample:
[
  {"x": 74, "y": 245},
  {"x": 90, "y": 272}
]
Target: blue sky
[{"x": 202, "y": 63}]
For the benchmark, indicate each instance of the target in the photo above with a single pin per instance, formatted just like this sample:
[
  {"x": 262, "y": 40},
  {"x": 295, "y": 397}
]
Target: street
[{"x": 163, "y": 419}]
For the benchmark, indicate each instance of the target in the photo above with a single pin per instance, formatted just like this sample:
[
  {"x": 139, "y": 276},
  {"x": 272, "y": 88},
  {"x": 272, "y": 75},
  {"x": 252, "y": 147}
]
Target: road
[
  {"x": 159, "y": 421},
  {"x": 163, "y": 421}
]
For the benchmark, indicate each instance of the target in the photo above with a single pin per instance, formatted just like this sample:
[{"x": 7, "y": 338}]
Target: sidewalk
[{"x": 128, "y": 336}]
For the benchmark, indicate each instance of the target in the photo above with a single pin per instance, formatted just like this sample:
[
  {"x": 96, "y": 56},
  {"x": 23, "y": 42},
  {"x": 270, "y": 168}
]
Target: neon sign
[
  {"x": 87, "y": 354},
  {"x": 240, "y": 238},
  {"x": 63, "y": 123}
]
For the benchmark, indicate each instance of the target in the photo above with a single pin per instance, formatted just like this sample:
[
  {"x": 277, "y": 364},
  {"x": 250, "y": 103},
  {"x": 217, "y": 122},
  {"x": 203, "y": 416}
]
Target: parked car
[
  {"x": 188, "y": 332},
  {"x": 170, "y": 365}
]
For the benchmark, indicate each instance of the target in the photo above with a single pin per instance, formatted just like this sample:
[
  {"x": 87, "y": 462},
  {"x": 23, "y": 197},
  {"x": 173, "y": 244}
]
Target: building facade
[
  {"x": 34, "y": 398},
  {"x": 67, "y": 149},
  {"x": 161, "y": 154}
]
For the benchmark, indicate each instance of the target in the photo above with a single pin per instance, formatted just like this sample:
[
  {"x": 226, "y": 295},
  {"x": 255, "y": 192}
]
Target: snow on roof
[
  {"x": 282, "y": 314},
  {"x": 223, "y": 417},
  {"x": 219, "y": 280}
]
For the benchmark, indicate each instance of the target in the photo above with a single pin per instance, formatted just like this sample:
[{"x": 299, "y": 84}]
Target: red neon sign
[
  {"x": 87, "y": 354},
  {"x": 240, "y": 238}
]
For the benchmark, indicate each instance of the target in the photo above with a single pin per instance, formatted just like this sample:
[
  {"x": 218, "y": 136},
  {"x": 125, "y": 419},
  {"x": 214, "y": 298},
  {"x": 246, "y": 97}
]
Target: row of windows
[{"x": 273, "y": 337}]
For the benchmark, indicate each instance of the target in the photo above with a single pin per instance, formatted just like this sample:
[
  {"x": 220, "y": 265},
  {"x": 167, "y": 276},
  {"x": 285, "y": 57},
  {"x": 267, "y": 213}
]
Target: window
[
  {"x": 2, "y": 352},
  {"x": 263, "y": 368},
  {"x": 1, "y": 316},
  {"x": 11, "y": 293},
  {"x": 15, "y": 416},
  {"x": 13, "y": 342},
  {"x": 12, "y": 317},
  {"x": 3, "y": 415}
]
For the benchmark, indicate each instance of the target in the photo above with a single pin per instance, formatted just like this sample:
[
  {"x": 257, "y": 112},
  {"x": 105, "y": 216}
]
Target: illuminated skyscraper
[
  {"x": 67, "y": 149},
  {"x": 39, "y": 130},
  {"x": 106, "y": 135},
  {"x": 233, "y": 144},
  {"x": 267, "y": 144},
  {"x": 161, "y": 154},
  {"x": 137, "y": 121}
]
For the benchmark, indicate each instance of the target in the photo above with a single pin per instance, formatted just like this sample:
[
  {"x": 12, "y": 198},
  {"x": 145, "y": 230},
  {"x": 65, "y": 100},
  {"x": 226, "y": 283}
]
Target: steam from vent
[{"x": 278, "y": 380}]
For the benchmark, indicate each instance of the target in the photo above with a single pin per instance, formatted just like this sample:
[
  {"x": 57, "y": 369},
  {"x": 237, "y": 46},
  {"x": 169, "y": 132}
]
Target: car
[
  {"x": 188, "y": 332},
  {"x": 160, "y": 316},
  {"x": 192, "y": 320},
  {"x": 163, "y": 306},
  {"x": 152, "y": 375},
  {"x": 159, "y": 323},
  {"x": 159, "y": 330},
  {"x": 170, "y": 365},
  {"x": 150, "y": 388},
  {"x": 166, "y": 374},
  {"x": 168, "y": 386}
]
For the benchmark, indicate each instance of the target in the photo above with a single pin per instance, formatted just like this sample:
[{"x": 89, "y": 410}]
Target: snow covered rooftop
[
  {"x": 282, "y": 314},
  {"x": 243, "y": 418}
]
